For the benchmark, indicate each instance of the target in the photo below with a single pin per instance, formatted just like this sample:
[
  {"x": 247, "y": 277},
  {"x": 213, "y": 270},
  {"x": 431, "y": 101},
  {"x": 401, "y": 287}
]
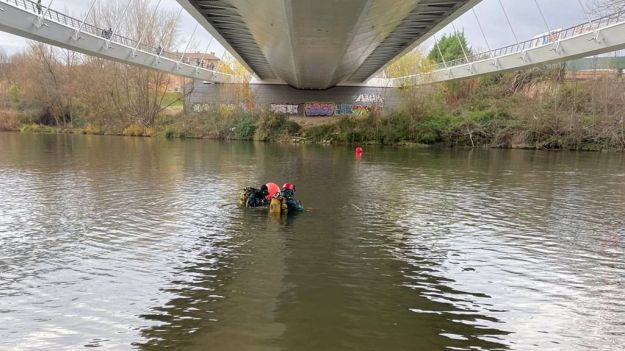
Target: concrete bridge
[
  {"x": 320, "y": 44},
  {"x": 308, "y": 45}
]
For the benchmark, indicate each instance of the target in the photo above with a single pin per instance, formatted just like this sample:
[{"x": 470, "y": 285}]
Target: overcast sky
[{"x": 524, "y": 16}]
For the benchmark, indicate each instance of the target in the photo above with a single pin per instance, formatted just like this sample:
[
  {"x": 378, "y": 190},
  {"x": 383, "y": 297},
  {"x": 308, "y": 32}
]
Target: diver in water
[
  {"x": 288, "y": 193},
  {"x": 256, "y": 197}
]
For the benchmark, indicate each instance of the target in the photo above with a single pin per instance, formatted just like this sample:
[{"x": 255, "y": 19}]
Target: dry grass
[{"x": 9, "y": 120}]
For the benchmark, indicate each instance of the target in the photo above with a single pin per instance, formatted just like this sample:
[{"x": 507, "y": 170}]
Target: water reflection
[{"x": 130, "y": 242}]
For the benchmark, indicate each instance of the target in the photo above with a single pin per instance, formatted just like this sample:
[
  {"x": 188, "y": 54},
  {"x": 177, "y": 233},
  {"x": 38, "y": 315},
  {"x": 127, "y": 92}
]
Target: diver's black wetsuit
[
  {"x": 292, "y": 204},
  {"x": 258, "y": 198}
]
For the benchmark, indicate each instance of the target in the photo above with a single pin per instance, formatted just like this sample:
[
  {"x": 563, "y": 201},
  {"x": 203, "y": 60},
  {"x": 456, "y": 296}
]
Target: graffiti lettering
[
  {"x": 313, "y": 109},
  {"x": 201, "y": 107},
  {"x": 361, "y": 110},
  {"x": 221, "y": 108},
  {"x": 289, "y": 109},
  {"x": 369, "y": 99},
  {"x": 344, "y": 109}
]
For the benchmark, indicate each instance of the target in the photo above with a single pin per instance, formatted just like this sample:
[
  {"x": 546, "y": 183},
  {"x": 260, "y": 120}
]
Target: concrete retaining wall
[{"x": 285, "y": 99}]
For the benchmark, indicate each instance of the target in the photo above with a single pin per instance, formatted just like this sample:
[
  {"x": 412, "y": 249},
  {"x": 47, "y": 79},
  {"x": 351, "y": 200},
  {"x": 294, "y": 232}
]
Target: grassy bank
[{"x": 536, "y": 109}]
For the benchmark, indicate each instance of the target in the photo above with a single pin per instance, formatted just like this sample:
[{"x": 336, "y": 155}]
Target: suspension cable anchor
[
  {"x": 598, "y": 37},
  {"x": 557, "y": 48},
  {"x": 496, "y": 63}
]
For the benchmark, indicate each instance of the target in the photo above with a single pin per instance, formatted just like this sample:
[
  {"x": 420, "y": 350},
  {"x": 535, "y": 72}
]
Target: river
[{"x": 137, "y": 243}]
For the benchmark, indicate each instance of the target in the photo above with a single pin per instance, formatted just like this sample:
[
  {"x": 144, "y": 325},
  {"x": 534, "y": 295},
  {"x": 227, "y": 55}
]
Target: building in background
[
  {"x": 596, "y": 66},
  {"x": 201, "y": 59}
]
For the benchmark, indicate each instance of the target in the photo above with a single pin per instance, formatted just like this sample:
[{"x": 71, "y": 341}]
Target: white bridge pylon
[
  {"x": 24, "y": 18},
  {"x": 605, "y": 34}
]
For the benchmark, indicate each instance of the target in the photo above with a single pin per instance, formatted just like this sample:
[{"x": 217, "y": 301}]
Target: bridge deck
[
  {"x": 605, "y": 34},
  {"x": 21, "y": 17}
]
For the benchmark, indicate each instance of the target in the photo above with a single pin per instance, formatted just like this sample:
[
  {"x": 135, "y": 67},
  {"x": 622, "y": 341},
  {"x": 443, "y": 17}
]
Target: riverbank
[
  {"x": 537, "y": 109},
  {"x": 481, "y": 129}
]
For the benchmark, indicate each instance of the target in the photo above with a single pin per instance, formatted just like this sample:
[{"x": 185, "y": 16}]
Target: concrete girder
[{"x": 320, "y": 44}]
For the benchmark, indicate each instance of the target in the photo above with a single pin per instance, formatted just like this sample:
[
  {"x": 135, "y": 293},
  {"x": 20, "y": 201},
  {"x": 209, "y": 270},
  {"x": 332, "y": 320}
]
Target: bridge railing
[
  {"x": 85, "y": 27},
  {"x": 547, "y": 39}
]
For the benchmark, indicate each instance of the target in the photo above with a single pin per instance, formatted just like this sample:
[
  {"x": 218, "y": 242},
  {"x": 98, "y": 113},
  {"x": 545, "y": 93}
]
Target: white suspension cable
[
  {"x": 188, "y": 43},
  {"x": 482, "y": 31},
  {"x": 169, "y": 32},
  {"x": 119, "y": 23},
  {"x": 542, "y": 15},
  {"x": 457, "y": 34},
  {"x": 42, "y": 15},
  {"x": 439, "y": 50},
  {"x": 509, "y": 23},
  {"x": 82, "y": 23},
  {"x": 151, "y": 21},
  {"x": 206, "y": 51},
  {"x": 586, "y": 13}
]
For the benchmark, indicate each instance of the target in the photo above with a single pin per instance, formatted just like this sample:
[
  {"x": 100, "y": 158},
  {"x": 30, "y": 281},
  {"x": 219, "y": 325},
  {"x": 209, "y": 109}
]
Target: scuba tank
[
  {"x": 245, "y": 194},
  {"x": 288, "y": 197},
  {"x": 278, "y": 205}
]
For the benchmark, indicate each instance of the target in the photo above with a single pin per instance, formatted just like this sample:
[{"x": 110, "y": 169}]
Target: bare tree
[
  {"x": 4, "y": 58},
  {"x": 603, "y": 7}
]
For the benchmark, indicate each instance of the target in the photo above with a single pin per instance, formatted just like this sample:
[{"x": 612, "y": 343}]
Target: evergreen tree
[{"x": 450, "y": 46}]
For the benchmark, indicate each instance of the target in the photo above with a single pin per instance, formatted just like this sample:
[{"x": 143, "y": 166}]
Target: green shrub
[
  {"x": 38, "y": 128},
  {"x": 245, "y": 128}
]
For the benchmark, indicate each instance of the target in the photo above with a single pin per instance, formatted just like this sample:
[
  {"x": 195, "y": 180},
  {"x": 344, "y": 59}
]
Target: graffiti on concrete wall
[
  {"x": 201, "y": 107},
  {"x": 344, "y": 110},
  {"x": 290, "y": 109},
  {"x": 360, "y": 105},
  {"x": 316, "y": 109},
  {"x": 221, "y": 108},
  {"x": 369, "y": 99},
  {"x": 361, "y": 110}
]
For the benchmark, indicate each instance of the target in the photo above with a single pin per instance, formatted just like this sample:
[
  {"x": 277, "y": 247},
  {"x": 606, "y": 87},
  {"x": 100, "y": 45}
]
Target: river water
[{"x": 123, "y": 243}]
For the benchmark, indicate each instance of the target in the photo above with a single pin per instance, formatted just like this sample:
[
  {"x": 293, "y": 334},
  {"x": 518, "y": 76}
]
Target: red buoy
[{"x": 359, "y": 151}]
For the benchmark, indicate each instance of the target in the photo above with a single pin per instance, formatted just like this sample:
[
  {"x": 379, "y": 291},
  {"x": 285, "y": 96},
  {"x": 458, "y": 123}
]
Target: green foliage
[
  {"x": 14, "y": 95},
  {"x": 450, "y": 47},
  {"x": 245, "y": 127},
  {"x": 38, "y": 128},
  {"x": 271, "y": 126},
  {"x": 172, "y": 99}
]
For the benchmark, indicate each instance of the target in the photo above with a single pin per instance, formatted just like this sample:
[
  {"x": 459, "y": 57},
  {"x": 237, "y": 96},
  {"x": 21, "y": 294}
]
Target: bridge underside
[{"x": 319, "y": 44}]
